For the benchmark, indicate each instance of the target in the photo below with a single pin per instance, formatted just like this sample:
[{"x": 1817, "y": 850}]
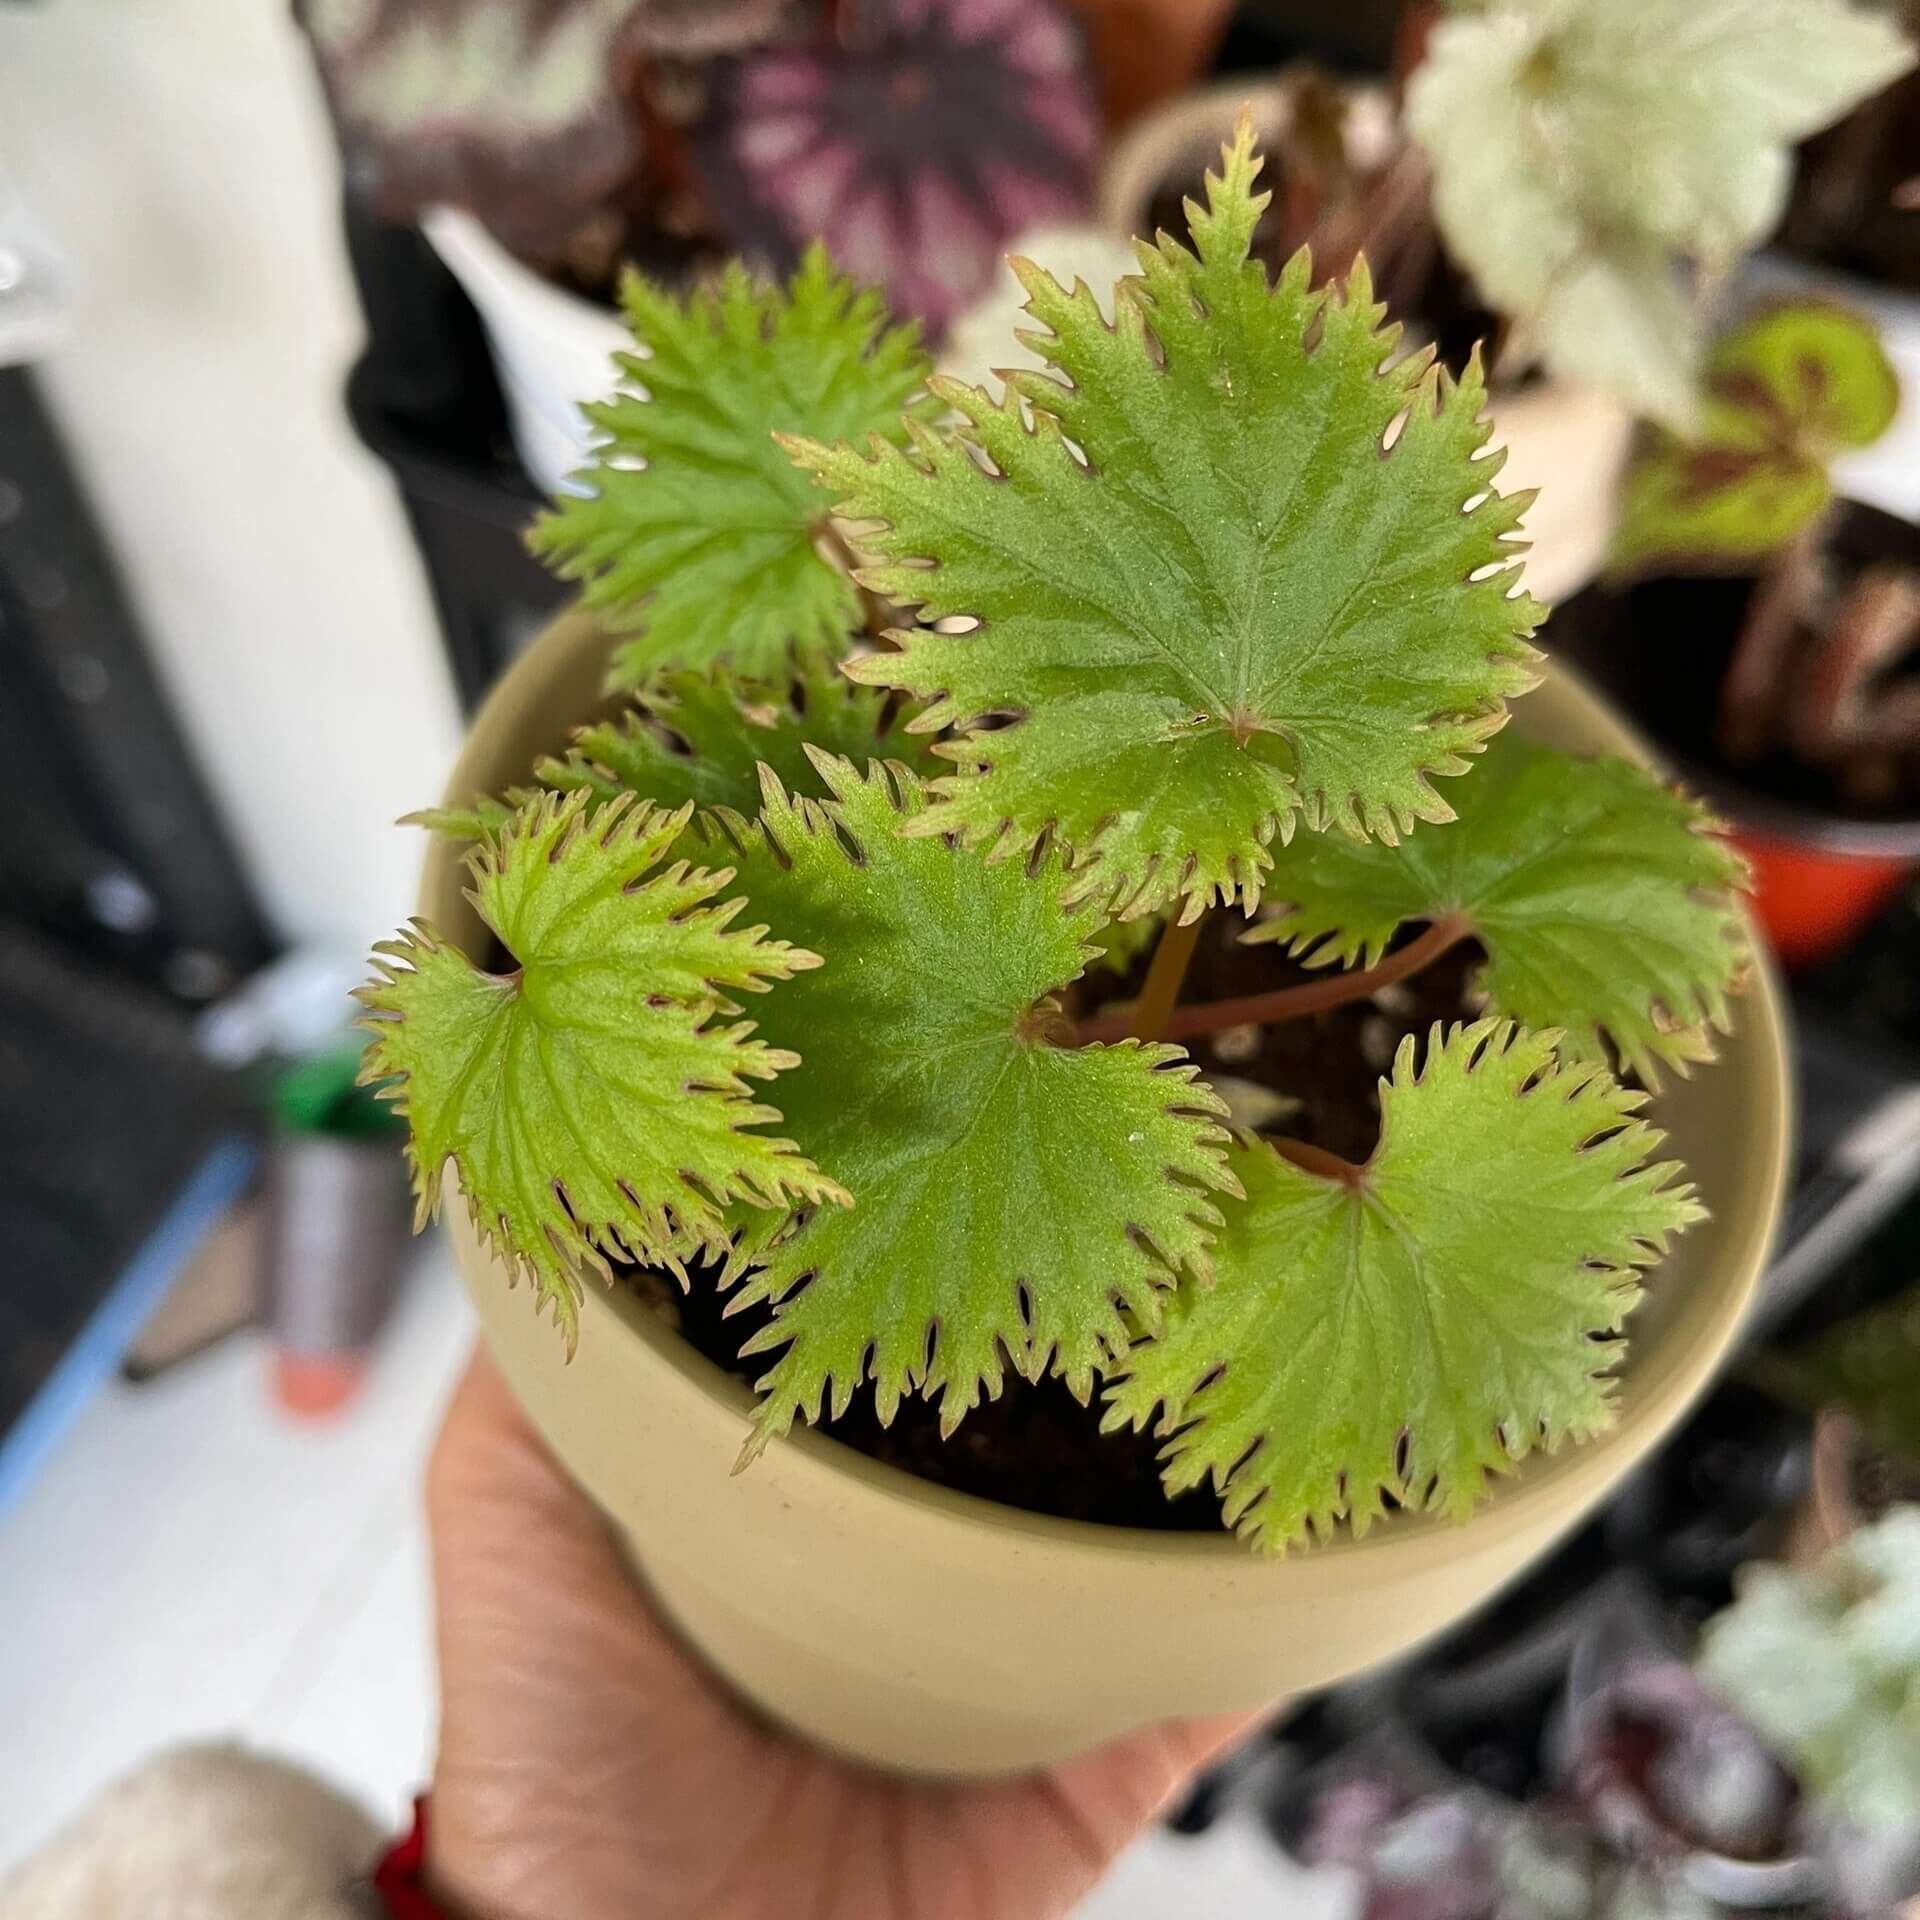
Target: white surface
[
  {"x": 33, "y": 292},
  {"x": 177, "y": 154},
  {"x": 193, "y": 1564},
  {"x": 1232, "y": 1873}
]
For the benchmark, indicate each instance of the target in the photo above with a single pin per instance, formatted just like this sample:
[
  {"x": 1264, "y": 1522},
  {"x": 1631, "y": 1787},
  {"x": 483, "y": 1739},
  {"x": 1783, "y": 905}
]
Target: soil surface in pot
[
  {"x": 1036, "y": 1447},
  {"x": 1662, "y": 647}
]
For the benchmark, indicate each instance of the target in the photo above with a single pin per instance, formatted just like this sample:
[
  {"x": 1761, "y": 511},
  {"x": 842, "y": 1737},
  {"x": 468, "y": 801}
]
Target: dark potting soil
[
  {"x": 1036, "y": 1447},
  {"x": 1662, "y": 646},
  {"x": 1331, "y": 1062}
]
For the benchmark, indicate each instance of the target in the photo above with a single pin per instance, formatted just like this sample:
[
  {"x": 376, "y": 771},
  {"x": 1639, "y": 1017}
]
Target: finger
[
  {"x": 512, "y": 1537},
  {"x": 1104, "y": 1798},
  {"x": 527, "y": 1572},
  {"x": 1120, "y": 1787},
  {"x": 572, "y": 1723},
  {"x": 1195, "y": 1744},
  {"x": 487, "y": 1449}
]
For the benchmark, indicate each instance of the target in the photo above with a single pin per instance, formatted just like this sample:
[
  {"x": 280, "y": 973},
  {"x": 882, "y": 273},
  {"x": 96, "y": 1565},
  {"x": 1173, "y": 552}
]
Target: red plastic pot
[{"x": 1813, "y": 899}]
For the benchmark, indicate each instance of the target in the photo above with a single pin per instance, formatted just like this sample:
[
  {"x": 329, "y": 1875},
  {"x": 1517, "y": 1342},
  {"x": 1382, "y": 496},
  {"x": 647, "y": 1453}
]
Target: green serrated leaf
[
  {"x": 1606, "y": 904},
  {"x": 486, "y": 818},
  {"x": 699, "y": 738},
  {"x": 1785, "y": 393},
  {"x": 695, "y": 531},
  {"x": 702, "y": 738},
  {"x": 1588, "y": 153},
  {"x": 1206, "y": 600},
  {"x": 593, "y": 1101},
  {"x": 1014, "y": 1199},
  {"x": 1424, "y": 1325}
]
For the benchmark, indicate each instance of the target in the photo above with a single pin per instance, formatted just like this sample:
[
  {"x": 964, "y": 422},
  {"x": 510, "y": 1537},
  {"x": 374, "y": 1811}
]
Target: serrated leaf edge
[
  {"x": 705, "y": 309},
  {"x": 651, "y": 1234},
  {"x": 1191, "y": 1097},
  {"x": 1423, "y": 381},
  {"x": 650, "y": 713},
  {"x": 1686, "y": 1034},
  {"x": 1359, "y": 1506}
]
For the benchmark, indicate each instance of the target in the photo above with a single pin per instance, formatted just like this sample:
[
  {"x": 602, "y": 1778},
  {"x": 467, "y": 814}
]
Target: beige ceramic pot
[
  {"x": 924, "y": 1629},
  {"x": 1571, "y": 442}
]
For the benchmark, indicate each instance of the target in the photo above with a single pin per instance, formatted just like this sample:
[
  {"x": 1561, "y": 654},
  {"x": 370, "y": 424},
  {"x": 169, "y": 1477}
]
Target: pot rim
[
  {"x": 1751, "y": 810},
  {"x": 1510, "y": 1507},
  {"x": 1137, "y": 162},
  {"x": 1770, "y": 815}
]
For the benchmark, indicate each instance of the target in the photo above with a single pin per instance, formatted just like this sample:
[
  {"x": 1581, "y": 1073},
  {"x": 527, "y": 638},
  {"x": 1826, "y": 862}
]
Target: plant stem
[
  {"x": 1756, "y": 675},
  {"x": 1311, "y": 1159},
  {"x": 1873, "y": 628},
  {"x": 1149, "y": 1015},
  {"x": 1286, "y": 1003}
]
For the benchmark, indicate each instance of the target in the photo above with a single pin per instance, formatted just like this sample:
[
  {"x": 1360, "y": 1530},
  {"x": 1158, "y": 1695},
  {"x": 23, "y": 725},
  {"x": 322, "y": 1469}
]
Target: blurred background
[{"x": 294, "y": 310}]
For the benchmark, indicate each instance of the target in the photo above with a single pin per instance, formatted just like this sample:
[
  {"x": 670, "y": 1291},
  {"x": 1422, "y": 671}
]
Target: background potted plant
[
  {"x": 1573, "y": 183},
  {"x": 1771, "y": 1767},
  {"x": 1355, "y": 180},
  {"x": 543, "y": 146},
  {"x": 1768, "y": 633},
  {"x": 1600, "y": 169},
  {"x": 1195, "y": 620}
]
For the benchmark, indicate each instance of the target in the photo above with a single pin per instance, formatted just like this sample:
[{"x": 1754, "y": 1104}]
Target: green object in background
[
  {"x": 336, "y": 1207},
  {"x": 1868, "y": 1365},
  {"x": 1786, "y": 394},
  {"x": 319, "y": 1096}
]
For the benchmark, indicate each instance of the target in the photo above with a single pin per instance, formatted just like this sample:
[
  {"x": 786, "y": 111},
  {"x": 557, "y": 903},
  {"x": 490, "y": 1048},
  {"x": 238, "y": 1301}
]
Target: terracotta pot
[
  {"x": 1571, "y": 442},
  {"x": 924, "y": 1629},
  {"x": 1144, "y": 50}
]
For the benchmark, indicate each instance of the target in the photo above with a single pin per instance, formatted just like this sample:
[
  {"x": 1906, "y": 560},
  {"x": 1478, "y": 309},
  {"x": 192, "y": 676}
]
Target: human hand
[{"x": 589, "y": 1768}]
